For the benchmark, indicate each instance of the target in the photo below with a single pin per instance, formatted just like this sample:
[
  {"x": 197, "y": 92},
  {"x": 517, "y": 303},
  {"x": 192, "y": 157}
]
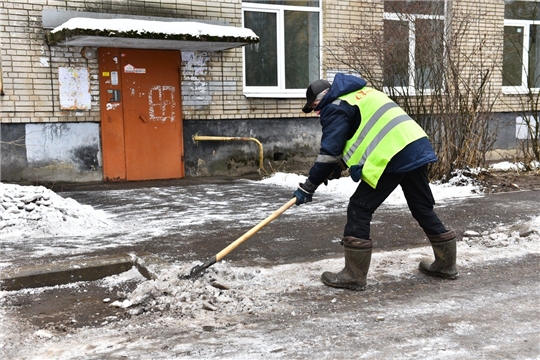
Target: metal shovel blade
[{"x": 198, "y": 270}]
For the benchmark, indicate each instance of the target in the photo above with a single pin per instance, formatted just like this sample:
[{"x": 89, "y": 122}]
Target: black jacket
[{"x": 339, "y": 122}]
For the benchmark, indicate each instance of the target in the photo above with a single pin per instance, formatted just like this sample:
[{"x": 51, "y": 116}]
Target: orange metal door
[
  {"x": 112, "y": 122},
  {"x": 141, "y": 114},
  {"x": 152, "y": 114}
]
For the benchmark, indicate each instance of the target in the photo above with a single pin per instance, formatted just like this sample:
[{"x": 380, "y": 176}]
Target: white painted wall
[{"x": 58, "y": 142}]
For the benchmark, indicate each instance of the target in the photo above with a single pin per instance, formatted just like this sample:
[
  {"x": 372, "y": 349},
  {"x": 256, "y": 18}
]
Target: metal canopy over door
[{"x": 147, "y": 94}]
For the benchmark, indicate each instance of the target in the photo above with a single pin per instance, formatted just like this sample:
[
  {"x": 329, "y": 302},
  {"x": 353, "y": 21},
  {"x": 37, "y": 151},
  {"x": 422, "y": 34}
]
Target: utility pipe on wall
[{"x": 229, "y": 138}]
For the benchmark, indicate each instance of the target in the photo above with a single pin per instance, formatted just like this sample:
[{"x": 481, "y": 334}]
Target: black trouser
[{"x": 366, "y": 200}]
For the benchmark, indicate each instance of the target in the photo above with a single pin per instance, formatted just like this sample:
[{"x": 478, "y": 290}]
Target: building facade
[{"x": 120, "y": 90}]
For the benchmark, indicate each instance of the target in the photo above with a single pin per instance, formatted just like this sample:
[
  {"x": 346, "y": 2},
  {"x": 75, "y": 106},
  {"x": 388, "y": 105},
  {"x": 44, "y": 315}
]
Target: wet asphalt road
[{"x": 294, "y": 236}]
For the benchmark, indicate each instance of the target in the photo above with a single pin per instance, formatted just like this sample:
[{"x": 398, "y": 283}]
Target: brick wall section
[
  {"x": 30, "y": 68},
  {"x": 483, "y": 19},
  {"x": 483, "y": 39},
  {"x": 478, "y": 43},
  {"x": 345, "y": 21},
  {"x": 31, "y": 96}
]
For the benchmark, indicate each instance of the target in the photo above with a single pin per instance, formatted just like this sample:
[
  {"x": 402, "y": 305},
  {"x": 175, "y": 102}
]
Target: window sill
[
  {"x": 276, "y": 94},
  {"x": 519, "y": 90}
]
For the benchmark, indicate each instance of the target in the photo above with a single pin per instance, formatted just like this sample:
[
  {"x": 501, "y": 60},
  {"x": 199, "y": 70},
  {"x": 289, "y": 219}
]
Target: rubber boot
[
  {"x": 357, "y": 260},
  {"x": 444, "y": 248}
]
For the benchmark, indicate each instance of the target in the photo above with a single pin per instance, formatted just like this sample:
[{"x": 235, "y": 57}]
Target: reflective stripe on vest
[{"x": 385, "y": 129}]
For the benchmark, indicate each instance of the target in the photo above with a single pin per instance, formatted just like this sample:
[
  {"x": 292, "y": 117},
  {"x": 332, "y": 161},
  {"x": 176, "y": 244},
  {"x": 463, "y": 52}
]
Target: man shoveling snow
[{"x": 365, "y": 131}]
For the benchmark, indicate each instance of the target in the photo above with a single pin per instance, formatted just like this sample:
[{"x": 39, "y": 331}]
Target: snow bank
[{"x": 35, "y": 211}]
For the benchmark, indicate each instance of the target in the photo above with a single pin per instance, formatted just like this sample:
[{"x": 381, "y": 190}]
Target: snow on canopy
[{"x": 141, "y": 27}]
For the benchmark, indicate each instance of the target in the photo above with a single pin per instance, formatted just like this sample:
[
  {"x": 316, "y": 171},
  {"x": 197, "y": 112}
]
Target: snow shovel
[{"x": 220, "y": 255}]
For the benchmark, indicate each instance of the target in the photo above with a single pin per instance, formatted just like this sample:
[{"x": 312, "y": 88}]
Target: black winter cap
[{"x": 314, "y": 89}]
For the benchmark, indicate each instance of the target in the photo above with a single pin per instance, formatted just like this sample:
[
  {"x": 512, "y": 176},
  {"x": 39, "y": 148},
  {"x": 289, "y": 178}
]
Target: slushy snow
[
  {"x": 36, "y": 211},
  {"x": 234, "y": 290},
  {"x": 225, "y": 290}
]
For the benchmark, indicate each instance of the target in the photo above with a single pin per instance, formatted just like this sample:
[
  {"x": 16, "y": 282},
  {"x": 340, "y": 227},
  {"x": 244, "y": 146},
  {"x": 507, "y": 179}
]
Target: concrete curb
[{"x": 79, "y": 270}]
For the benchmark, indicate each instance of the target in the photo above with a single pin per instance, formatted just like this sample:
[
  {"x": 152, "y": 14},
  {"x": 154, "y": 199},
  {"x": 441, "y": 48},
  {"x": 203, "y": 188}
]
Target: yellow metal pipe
[{"x": 232, "y": 138}]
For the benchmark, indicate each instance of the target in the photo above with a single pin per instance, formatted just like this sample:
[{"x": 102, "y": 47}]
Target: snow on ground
[
  {"x": 34, "y": 211},
  {"x": 252, "y": 289},
  {"x": 345, "y": 187},
  {"x": 35, "y": 222},
  {"x": 199, "y": 297},
  {"x": 508, "y": 166}
]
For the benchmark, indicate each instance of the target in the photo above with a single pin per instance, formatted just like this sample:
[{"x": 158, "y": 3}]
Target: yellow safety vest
[{"x": 385, "y": 129}]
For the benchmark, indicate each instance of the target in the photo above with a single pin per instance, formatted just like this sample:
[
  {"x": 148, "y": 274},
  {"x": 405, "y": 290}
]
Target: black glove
[
  {"x": 304, "y": 193},
  {"x": 335, "y": 174}
]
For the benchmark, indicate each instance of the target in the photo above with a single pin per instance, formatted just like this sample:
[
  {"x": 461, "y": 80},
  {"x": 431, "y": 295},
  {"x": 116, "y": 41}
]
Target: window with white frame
[
  {"x": 521, "y": 53},
  {"x": 413, "y": 45},
  {"x": 287, "y": 58}
]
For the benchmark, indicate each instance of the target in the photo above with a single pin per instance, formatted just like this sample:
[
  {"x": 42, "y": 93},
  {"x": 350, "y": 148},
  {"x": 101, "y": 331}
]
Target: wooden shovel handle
[{"x": 220, "y": 255}]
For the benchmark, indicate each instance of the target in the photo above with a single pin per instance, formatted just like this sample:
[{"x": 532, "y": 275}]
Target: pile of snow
[
  {"x": 35, "y": 211},
  {"x": 220, "y": 288}
]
